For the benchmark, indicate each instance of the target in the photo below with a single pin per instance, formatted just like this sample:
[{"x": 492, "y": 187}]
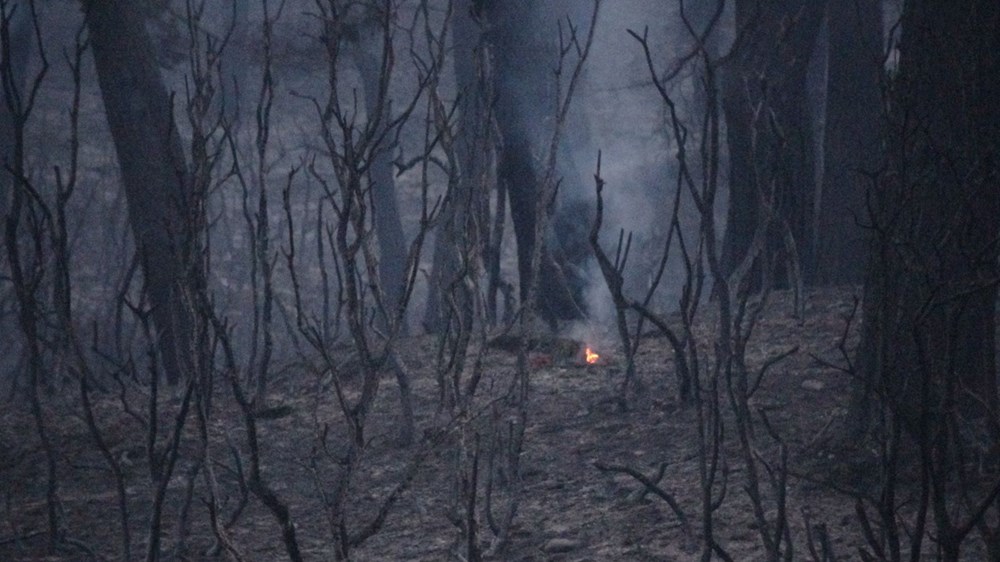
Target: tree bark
[
  {"x": 462, "y": 238},
  {"x": 367, "y": 55},
  {"x": 771, "y": 154},
  {"x": 17, "y": 53},
  {"x": 852, "y": 140},
  {"x": 931, "y": 285},
  {"x": 525, "y": 108},
  {"x": 162, "y": 207}
]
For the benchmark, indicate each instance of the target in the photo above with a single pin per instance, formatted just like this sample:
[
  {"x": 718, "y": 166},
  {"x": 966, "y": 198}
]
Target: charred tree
[
  {"x": 931, "y": 284},
  {"x": 463, "y": 239},
  {"x": 237, "y": 84},
  {"x": 367, "y": 45},
  {"x": 524, "y": 108},
  {"x": 17, "y": 44},
  {"x": 769, "y": 136},
  {"x": 164, "y": 211},
  {"x": 852, "y": 138}
]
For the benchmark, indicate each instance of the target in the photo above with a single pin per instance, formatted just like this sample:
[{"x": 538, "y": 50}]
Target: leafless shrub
[
  {"x": 703, "y": 379},
  {"x": 30, "y": 231}
]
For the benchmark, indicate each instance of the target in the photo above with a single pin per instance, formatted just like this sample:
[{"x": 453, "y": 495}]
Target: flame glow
[{"x": 590, "y": 356}]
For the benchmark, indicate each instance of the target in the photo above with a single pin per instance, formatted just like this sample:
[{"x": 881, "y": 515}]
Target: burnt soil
[{"x": 569, "y": 509}]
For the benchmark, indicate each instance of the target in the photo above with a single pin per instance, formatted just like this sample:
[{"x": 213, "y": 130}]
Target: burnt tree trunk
[
  {"x": 931, "y": 284},
  {"x": 163, "y": 209},
  {"x": 392, "y": 246},
  {"x": 852, "y": 139},
  {"x": 524, "y": 108},
  {"x": 769, "y": 134},
  {"x": 17, "y": 47},
  {"x": 237, "y": 67},
  {"x": 461, "y": 244}
]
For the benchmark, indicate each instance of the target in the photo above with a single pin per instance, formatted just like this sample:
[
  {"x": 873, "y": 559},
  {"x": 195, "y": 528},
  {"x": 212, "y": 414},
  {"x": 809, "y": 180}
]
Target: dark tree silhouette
[
  {"x": 525, "y": 107},
  {"x": 17, "y": 51},
  {"x": 852, "y": 138},
  {"x": 163, "y": 209},
  {"x": 465, "y": 228},
  {"x": 771, "y": 155},
  {"x": 931, "y": 287},
  {"x": 367, "y": 52}
]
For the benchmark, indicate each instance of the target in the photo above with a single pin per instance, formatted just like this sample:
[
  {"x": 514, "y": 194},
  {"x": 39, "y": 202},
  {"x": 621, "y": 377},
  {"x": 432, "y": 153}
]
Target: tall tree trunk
[
  {"x": 17, "y": 52},
  {"x": 770, "y": 143},
  {"x": 375, "y": 69},
  {"x": 239, "y": 73},
  {"x": 163, "y": 210},
  {"x": 462, "y": 238},
  {"x": 367, "y": 54},
  {"x": 852, "y": 139},
  {"x": 525, "y": 103},
  {"x": 931, "y": 285}
]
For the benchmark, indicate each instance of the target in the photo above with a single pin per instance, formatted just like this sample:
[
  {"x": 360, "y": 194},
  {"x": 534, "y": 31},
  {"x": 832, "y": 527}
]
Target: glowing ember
[{"x": 590, "y": 356}]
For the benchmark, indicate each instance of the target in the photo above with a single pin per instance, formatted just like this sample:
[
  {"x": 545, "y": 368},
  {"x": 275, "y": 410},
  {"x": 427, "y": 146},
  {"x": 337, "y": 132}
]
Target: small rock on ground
[
  {"x": 812, "y": 384},
  {"x": 559, "y": 544}
]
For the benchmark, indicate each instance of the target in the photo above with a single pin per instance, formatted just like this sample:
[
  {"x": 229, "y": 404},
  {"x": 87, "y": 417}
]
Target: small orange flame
[{"x": 590, "y": 356}]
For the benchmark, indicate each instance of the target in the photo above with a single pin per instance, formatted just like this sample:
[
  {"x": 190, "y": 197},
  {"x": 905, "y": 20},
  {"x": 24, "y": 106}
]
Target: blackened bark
[
  {"x": 930, "y": 293},
  {"x": 771, "y": 154},
  {"x": 237, "y": 90},
  {"x": 17, "y": 51},
  {"x": 367, "y": 55},
  {"x": 524, "y": 109},
  {"x": 852, "y": 140},
  {"x": 161, "y": 204},
  {"x": 462, "y": 241}
]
